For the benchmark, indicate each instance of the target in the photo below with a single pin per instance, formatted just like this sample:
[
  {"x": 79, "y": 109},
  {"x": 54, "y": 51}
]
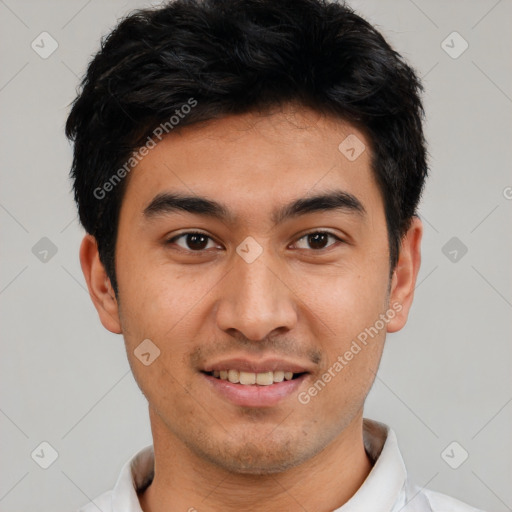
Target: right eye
[{"x": 193, "y": 241}]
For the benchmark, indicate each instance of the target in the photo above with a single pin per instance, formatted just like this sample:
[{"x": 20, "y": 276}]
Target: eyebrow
[{"x": 335, "y": 200}]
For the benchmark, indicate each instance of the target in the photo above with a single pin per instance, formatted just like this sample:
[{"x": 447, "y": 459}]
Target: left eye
[{"x": 318, "y": 240}]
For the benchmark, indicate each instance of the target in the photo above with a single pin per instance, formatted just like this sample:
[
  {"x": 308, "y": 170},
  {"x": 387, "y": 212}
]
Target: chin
[{"x": 249, "y": 459}]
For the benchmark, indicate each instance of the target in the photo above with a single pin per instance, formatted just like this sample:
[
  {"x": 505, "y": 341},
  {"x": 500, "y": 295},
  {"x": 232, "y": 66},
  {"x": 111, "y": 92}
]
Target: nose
[{"x": 255, "y": 300}]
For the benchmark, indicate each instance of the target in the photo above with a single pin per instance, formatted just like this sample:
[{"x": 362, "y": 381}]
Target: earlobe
[
  {"x": 404, "y": 277},
  {"x": 98, "y": 283}
]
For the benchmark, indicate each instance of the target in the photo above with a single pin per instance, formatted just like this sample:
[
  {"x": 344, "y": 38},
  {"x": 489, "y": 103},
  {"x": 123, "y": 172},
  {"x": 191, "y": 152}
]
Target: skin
[{"x": 295, "y": 301}]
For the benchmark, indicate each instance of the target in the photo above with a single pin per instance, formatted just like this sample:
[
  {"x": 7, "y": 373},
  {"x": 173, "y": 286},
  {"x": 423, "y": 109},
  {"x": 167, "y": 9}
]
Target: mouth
[
  {"x": 246, "y": 378},
  {"x": 248, "y": 383}
]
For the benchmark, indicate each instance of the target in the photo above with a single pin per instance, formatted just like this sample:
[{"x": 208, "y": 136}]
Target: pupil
[
  {"x": 317, "y": 240},
  {"x": 197, "y": 241}
]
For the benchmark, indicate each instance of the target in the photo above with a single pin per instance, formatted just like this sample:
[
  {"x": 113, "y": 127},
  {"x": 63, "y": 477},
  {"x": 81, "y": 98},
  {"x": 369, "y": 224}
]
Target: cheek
[
  {"x": 348, "y": 305},
  {"x": 159, "y": 307},
  {"x": 347, "y": 299},
  {"x": 167, "y": 306},
  {"x": 154, "y": 296}
]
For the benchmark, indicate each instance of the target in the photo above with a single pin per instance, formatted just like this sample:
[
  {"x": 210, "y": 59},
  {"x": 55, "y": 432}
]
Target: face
[{"x": 280, "y": 278}]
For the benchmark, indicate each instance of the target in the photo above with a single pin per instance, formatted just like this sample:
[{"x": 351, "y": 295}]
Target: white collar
[{"x": 385, "y": 484}]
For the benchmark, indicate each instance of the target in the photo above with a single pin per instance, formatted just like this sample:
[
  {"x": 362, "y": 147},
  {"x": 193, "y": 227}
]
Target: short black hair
[{"x": 225, "y": 57}]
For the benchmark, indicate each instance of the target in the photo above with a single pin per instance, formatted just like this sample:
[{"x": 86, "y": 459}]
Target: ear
[
  {"x": 404, "y": 276},
  {"x": 100, "y": 288}
]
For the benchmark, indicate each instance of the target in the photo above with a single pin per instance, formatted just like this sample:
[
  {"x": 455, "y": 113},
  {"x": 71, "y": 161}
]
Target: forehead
[{"x": 253, "y": 161}]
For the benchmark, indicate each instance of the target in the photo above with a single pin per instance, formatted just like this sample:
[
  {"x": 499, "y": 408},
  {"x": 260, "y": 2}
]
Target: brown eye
[
  {"x": 195, "y": 242},
  {"x": 318, "y": 240}
]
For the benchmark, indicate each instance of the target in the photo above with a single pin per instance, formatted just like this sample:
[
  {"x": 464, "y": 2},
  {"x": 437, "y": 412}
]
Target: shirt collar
[
  {"x": 136, "y": 474},
  {"x": 384, "y": 485}
]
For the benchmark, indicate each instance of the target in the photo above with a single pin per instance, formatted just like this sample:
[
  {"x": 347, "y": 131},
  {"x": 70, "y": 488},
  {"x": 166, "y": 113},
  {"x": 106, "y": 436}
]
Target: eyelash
[{"x": 173, "y": 239}]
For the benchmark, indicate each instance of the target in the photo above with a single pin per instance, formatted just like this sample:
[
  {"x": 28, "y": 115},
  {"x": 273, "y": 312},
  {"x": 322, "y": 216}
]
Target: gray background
[{"x": 444, "y": 378}]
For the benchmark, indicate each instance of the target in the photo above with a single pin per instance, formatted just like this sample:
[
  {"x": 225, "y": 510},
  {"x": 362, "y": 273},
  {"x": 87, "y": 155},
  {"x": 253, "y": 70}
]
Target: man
[{"x": 248, "y": 174}]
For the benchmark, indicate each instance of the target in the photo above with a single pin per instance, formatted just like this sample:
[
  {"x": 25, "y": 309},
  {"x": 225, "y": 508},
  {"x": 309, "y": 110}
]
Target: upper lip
[{"x": 260, "y": 366}]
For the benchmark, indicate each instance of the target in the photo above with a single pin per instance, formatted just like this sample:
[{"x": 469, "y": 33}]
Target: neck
[{"x": 185, "y": 482}]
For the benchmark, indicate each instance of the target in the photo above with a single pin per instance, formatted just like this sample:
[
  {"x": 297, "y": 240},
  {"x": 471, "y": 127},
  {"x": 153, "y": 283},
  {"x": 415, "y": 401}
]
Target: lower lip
[{"x": 254, "y": 395}]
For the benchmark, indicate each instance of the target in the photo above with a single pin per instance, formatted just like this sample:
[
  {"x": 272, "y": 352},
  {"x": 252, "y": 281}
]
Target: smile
[
  {"x": 252, "y": 378},
  {"x": 251, "y": 389}
]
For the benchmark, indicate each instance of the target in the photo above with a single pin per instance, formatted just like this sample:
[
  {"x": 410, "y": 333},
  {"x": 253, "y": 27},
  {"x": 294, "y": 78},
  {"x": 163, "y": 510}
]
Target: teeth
[
  {"x": 247, "y": 378},
  {"x": 250, "y": 378},
  {"x": 234, "y": 376},
  {"x": 265, "y": 379},
  {"x": 279, "y": 376}
]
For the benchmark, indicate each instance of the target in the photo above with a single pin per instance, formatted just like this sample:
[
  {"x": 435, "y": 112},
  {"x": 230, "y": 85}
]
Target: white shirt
[{"x": 385, "y": 489}]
